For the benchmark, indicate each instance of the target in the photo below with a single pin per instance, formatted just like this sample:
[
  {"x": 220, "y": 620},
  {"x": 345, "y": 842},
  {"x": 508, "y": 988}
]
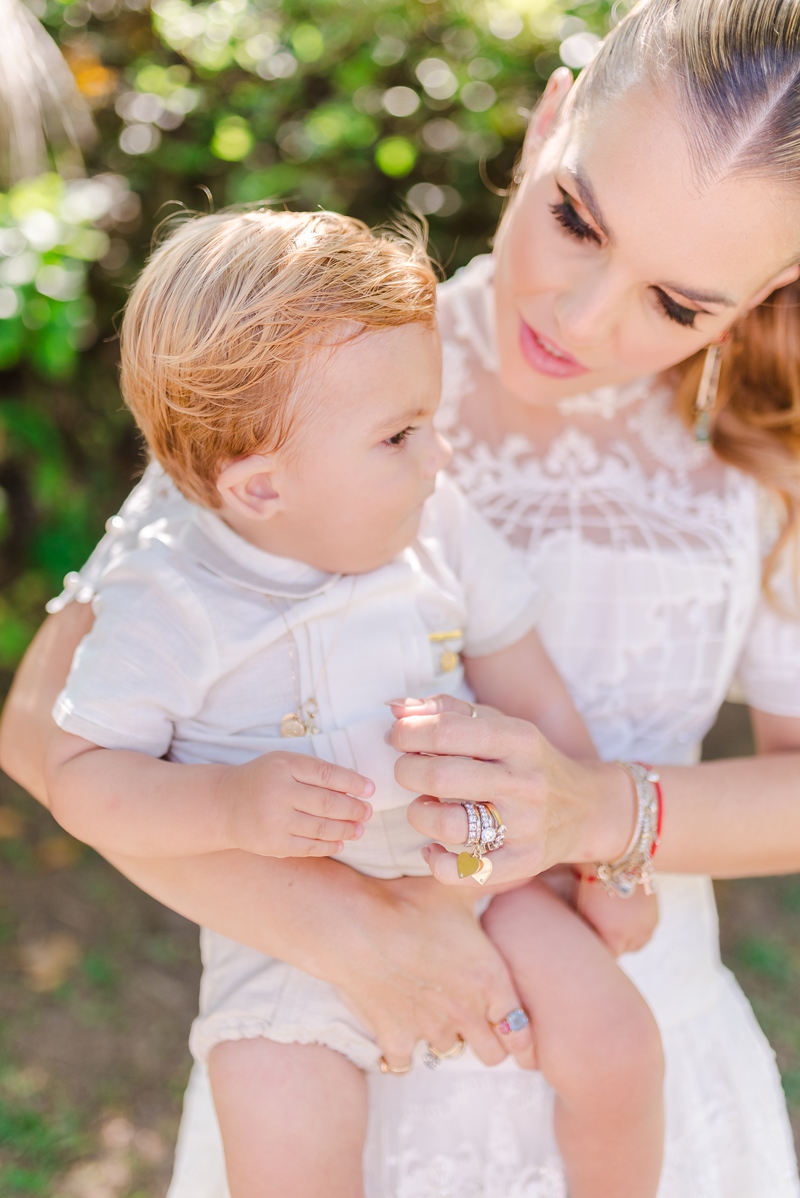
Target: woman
[{"x": 655, "y": 212}]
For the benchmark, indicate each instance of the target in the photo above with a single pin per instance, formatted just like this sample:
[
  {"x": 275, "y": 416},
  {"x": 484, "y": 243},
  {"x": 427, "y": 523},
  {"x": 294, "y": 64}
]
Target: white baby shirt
[{"x": 202, "y": 643}]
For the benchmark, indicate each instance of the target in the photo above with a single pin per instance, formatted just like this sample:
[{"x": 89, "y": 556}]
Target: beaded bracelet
[{"x": 635, "y": 866}]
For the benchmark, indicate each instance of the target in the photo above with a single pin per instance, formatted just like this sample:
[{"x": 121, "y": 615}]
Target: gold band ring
[
  {"x": 385, "y": 1067},
  {"x": 451, "y": 1053},
  {"x": 473, "y": 711},
  {"x": 495, "y": 814}
]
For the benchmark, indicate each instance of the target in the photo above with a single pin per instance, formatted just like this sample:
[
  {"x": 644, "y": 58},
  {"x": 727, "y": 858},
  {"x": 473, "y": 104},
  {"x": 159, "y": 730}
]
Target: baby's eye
[{"x": 400, "y": 437}]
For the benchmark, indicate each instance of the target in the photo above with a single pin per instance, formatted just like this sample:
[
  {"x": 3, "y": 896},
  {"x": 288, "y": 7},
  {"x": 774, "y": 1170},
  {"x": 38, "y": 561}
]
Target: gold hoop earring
[{"x": 707, "y": 392}]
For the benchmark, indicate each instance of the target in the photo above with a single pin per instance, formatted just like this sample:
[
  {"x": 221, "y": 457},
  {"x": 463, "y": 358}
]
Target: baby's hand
[
  {"x": 291, "y": 805},
  {"x": 624, "y": 924}
]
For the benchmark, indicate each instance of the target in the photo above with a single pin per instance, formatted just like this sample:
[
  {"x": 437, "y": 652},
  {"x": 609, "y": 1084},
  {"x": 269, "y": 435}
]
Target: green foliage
[
  {"x": 47, "y": 241},
  {"x": 35, "y": 1148},
  {"x": 363, "y": 106}
]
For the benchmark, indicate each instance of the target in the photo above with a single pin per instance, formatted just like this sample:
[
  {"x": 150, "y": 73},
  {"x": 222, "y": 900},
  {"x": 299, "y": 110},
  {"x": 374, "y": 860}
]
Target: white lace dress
[{"x": 649, "y": 552}]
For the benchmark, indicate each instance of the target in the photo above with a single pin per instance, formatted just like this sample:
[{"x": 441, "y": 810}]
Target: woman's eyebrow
[
  {"x": 589, "y": 201},
  {"x": 588, "y": 198},
  {"x": 700, "y": 297}
]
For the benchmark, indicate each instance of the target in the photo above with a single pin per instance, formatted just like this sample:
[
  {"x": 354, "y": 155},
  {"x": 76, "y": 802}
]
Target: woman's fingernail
[
  {"x": 359, "y": 831},
  {"x": 405, "y": 702}
]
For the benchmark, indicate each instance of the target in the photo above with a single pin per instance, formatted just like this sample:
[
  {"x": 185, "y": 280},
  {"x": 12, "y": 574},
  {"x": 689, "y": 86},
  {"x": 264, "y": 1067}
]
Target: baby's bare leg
[
  {"x": 596, "y": 1042},
  {"x": 293, "y": 1119}
]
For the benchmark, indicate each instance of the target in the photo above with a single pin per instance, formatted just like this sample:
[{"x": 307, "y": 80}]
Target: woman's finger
[
  {"x": 444, "y": 868},
  {"x": 315, "y": 827},
  {"x": 483, "y": 1042},
  {"x": 515, "y": 1035},
  {"x": 433, "y": 705},
  {"x": 459, "y": 778},
  {"x": 445, "y": 823},
  {"x": 451, "y": 733},
  {"x": 508, "y": 867},
  {"x": 397, "y": 1049}
]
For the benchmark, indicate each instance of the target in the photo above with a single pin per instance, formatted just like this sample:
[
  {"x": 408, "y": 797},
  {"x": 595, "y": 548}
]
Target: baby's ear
[{"x": 247, "y": 486}]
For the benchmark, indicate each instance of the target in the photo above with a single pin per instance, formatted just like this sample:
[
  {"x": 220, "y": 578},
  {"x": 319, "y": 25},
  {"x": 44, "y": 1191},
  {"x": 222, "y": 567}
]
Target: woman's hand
[
  {"x": 418, "y": 966},
  {"x": 554, "y": 809}
]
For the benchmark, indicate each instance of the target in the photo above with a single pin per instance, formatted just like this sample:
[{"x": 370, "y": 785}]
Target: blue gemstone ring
[{"x": 514, "y": 1021}]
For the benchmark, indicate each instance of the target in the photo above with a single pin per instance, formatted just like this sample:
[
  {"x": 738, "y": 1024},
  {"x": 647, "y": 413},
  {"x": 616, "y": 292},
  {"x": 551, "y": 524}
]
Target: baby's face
[{"x": 365, "y": 456}]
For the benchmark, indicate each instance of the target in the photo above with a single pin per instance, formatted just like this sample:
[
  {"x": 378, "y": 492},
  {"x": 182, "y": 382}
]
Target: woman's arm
[
  {"x": 25, "y": 726},
  {"x": 733, "y": 818},
  {"x": 409, "y": 955}
]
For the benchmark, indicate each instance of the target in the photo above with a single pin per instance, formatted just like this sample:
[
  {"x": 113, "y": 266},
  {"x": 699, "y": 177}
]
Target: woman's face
[{"x": 614, "y": 261}]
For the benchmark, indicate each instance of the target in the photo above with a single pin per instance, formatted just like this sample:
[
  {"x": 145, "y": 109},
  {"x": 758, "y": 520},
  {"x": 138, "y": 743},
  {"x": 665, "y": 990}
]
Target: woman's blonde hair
[
  {"x": 733, "y": 68},
  {"x": 227, "y": 310}
]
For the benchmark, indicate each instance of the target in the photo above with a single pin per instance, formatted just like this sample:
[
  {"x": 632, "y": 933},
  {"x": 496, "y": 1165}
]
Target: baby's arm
[
  {"x": 278, "y": 805},
  {"x": 522, "y": 681},
  {"x": 146, "y": 664}
]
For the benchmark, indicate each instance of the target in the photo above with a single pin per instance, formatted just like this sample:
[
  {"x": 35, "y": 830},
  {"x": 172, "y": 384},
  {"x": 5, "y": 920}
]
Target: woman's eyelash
[
  {"x": 400, "y": 437},
  {"x": 682, "y": 316},
  {"x": 568, "y": 218}
]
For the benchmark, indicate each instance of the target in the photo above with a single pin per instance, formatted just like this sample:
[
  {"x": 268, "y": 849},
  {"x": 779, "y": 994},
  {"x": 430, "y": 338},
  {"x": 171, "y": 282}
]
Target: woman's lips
[{"x": 545, "y": 356}]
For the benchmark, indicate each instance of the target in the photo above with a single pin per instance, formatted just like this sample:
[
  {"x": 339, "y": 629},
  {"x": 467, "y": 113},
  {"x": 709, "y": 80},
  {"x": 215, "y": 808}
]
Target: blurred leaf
[{"x": 396, "y": 156}]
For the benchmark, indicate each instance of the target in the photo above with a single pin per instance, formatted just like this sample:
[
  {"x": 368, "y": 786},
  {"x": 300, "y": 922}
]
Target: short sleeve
[
  {"x": 769, "y": 668},
  {"x": 153, "y": 498},
  {"x": 502, "y": 596},
  {"x": 147, "y": 662}
]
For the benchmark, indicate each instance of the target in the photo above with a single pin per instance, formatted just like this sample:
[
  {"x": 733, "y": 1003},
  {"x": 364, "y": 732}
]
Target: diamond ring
[{"x": 433, "y": 1057}]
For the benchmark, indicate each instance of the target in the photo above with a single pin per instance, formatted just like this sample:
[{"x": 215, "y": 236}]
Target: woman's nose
[{"x": 587, "y": 314}]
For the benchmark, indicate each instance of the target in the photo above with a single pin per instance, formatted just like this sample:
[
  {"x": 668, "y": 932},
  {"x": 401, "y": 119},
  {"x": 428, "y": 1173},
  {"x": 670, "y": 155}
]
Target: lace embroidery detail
[
  {"x": 604, "y": 401},
  {"x": 665, "y": 437}
]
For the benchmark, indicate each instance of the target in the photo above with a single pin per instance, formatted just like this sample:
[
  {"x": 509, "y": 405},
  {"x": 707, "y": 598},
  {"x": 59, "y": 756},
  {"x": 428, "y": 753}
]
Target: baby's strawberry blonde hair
[{"x": 227, "y": 310}]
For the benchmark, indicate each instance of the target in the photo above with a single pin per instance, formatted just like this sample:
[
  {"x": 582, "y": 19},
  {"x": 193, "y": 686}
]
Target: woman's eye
[
  {"x": 568, "y": 218},
  {"x": 400, "y": 437},
  {"x": 682, "y": 316}
]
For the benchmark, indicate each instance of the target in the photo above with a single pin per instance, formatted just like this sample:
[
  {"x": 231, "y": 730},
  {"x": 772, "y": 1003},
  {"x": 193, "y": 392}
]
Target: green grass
[{"x": 35, "y": 1146}]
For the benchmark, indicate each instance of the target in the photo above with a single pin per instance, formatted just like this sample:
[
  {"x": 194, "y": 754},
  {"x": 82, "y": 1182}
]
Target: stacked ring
[{"x": 486, "y": 832}]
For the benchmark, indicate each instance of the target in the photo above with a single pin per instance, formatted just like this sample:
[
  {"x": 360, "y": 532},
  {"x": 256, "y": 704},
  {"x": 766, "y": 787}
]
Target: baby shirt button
[{"x": 115, "y": 525}]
